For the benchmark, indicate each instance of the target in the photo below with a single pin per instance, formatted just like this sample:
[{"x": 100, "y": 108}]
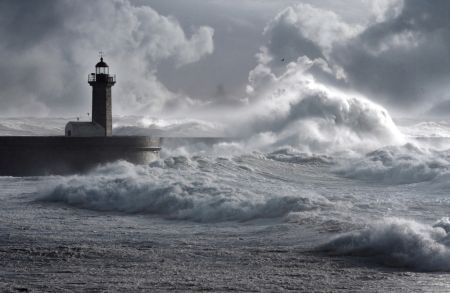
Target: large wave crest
[
  {"x": 183, "y": 189},
  {"x": 398, "y": 243},
  {"x": 405, "y": 164}
]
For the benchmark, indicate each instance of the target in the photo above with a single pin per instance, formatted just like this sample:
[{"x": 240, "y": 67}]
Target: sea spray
[{"x": 293, "y": 110}]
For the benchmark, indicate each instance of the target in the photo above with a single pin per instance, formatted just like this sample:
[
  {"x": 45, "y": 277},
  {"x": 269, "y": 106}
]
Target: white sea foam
[
  {"x": 181, "y": 188},
  {"x": 397, "y": 165},
  {"x": 296, "y": 109},
  {"x": 427, "y": 129},
  {"x": 398, "y": 243}
]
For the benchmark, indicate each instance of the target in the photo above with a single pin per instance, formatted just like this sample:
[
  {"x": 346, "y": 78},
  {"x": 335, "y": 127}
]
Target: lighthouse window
[{"x": 102, "y": 70}]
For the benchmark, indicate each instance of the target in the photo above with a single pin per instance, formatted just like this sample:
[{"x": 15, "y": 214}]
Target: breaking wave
[
  {"x": 292, "y": 110},
  {"x": 183, "y": 189},
  {"x": 398, "y": 243},
  {"x": 323, "y": 124},
  {"x": 295, "y": 109},
  {"x": 398, "y": 165}
]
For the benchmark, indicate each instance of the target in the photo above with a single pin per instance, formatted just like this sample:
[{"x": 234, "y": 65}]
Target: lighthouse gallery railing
[{"x": 93, "y": 78}]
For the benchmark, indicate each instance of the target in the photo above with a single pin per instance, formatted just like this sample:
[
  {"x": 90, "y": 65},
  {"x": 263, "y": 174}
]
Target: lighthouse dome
[
  {"x": 101, "y": 63},
  {"x": 101, "y": 67}
]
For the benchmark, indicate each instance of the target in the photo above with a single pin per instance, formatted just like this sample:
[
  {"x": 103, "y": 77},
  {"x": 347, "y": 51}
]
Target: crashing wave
[
  {"x": 291, "y": 110},
  {"x": 398, "y": 243},
  {"x": 297, "y": 110},
  {"x": 180, "y": 188},
  {"x": 397, "y": 165}
]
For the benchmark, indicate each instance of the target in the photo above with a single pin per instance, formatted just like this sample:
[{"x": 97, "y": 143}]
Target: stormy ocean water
[{"x": 367, "y": 212}]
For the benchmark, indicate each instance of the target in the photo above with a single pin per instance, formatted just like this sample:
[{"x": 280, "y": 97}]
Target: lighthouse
[
  {"x": 102, "y": 84},
  {"x": 101, "y": 124},
  {"x": 85, "y": 144}
]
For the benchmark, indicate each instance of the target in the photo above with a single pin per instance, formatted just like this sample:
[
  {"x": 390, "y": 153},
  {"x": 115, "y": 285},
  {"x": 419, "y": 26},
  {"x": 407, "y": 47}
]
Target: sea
[{"x": 316, "y": 203}]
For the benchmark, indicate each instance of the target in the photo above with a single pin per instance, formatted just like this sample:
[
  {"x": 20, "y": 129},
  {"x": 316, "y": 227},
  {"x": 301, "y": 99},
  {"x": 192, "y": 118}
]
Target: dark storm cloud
[
  {"x": 238, "y": 35},
  {"x": 394, "y": 54},
  {"x": 23, "y": 23},
  {"x": 162, "y": 57},
  {"x": 48, "y": 47},
  {"x": 24, "y": 26},
  {"x": 287, "y": 48},
  {"x": 304, "y": 30},
  {"x": 405, "y": 60},
  {"x": 401, "y": 58}
]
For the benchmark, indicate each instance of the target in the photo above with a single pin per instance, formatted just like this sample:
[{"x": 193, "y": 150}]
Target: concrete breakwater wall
[{"x": 59, "y": 155}]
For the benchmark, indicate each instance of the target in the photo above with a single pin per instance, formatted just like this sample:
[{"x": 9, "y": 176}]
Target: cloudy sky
[{"x": 174, "y": 56}]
